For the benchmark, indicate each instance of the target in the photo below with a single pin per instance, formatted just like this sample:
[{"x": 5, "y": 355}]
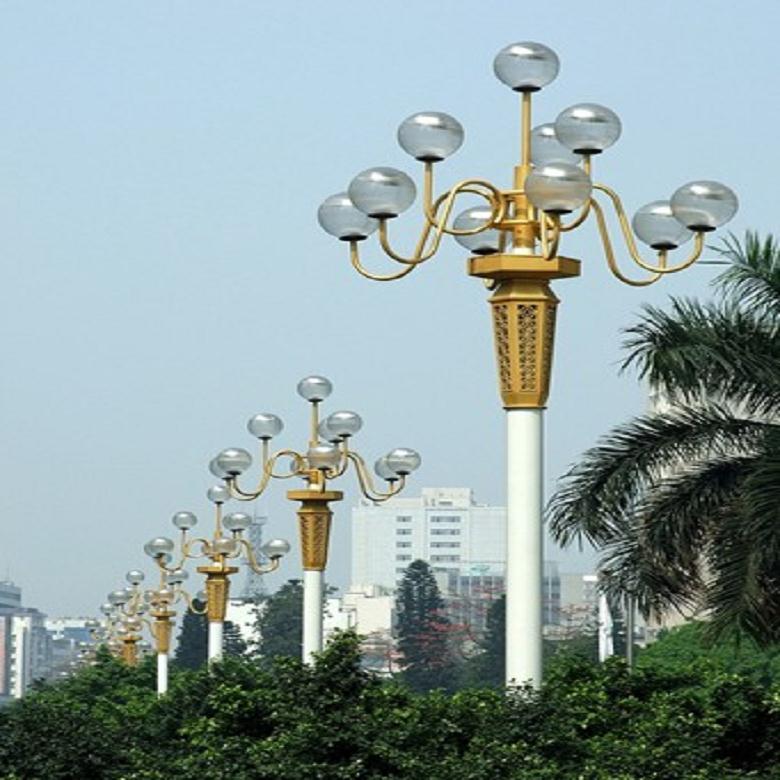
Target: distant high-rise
[{"x": 254, "y": 587}]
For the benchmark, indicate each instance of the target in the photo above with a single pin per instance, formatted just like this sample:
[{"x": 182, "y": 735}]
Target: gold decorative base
[
  {"x": 524, "y": 310},
  {"x": 217, "y": 590},
  {"x": 129, "y": 650},
  {"x": 162, "y": 628},
  {"x": 314, "y": 520}
]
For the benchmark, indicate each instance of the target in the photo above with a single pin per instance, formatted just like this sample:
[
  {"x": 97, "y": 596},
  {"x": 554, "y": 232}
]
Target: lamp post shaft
[
  {"x": 215, "y": 639},
  {"x": 313, "y": 583},
  {"x": 524, "y": 569},
  {"x": 162, "y": 673}
]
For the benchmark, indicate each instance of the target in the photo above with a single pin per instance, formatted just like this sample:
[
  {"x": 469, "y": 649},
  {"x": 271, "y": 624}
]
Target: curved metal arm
[
  {"x": 268, "y": 474},
  {"x": 550, "y": 234},
  {"x": 610, "y": 255},
  {"x": 367, "y": 484},
  {"x": 628, "y": 235},
  {"x": 257, "y": 567}
]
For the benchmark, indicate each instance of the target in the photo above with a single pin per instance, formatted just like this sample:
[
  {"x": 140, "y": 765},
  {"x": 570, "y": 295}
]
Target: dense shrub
[{"x": 688, "y": 719}]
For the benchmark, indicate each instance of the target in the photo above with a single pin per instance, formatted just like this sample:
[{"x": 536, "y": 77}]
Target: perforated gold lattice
[{"x": 524, "y": 328}]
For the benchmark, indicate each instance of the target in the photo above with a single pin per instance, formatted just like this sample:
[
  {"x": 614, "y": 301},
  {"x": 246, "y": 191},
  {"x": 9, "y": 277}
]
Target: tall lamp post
[
  {"x": 514, "y": 238},
  {"x": 327, "y": 457},
  {"x": 225, "y": 546}
]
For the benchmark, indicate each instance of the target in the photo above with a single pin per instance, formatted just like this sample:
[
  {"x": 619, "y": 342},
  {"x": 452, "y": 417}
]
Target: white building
[{"x": 444, "y": 526}]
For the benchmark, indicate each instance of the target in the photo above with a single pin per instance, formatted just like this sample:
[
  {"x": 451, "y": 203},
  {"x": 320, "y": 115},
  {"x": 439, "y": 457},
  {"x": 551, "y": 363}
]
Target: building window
[
  {"x": 400, "y": 570},
  {"x": 443, "y": 531},
  {"x": 445, "y": 544},
  {"x": 403, "y": 544},
  {"x": 403, "y": 557},
  {"x": 403, "y": 531},
  {"x": 445, "y": 558},
  {"x": 403, "y": 519},
  {"x": 445, "y": 518}
]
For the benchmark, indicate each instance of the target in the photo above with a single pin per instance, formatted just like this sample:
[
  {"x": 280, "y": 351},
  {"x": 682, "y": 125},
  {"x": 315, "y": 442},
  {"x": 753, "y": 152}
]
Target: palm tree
[{"x": 684, "y": 504}]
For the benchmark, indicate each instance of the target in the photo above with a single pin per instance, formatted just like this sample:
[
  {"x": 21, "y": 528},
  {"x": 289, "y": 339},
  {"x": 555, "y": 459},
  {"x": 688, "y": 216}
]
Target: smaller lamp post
[{"x": 225, "y": 546}]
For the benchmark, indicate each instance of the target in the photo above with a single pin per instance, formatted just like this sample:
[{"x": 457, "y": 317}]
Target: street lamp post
[
  {"x": 514, "y": 238},
  {"x": 327, "y": 456},
  {"x": 225, "y": 546}
]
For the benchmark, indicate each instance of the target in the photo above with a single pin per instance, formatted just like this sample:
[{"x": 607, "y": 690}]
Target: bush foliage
[{"x": 680, "y": 714}]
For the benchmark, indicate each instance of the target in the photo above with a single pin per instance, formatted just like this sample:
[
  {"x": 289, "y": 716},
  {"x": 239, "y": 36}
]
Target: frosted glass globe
[
  {"x": 176, "y": 577},
  {"x": 326, "y": 434},
  {"x": 233, "y": 461},
  {"x": 237, "y": 521},
  {"x": 323, "y": 456},
  {"x": 135, "y": 576},
  {"x": 315, "y": 388},
  {"x": 587, "y": 128},
  {"x": 184, "y": 520},
  {"x": 430, "y": 136},
  {"x": 217, "y": 470},
  {"x": 382, "y": 192},
  {"x": 704, "y": 205},
  {"x": 558, "y": 188},
  {"x": 338, "y": 216},
  {"x": 383, "y": 470},
  {"x": 546, "y": 148},
  {"x": 118, "y": 597},
  {"x": 344, "y": 424},
  {"x": 487, "y": 241},
  {"x": 224, "y": 546},
  {"x": 158, "y": 546},
  {"x": 218, "y": 494},
  {"x": 264, "y": 425},
  {"x": 526, "y": 66},
  {"x": 403, "y": 461},
  {"x": 656, "y": 226},
  {"x": 275, "y": 548}
]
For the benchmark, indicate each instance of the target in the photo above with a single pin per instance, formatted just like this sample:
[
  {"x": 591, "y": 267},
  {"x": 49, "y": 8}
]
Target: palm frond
[
  {"x": 754, "y": 273},
  {"x": 600, "y": 493},
  {"x": 711, "y": 350},
  {"x": 761, "y": 497}
]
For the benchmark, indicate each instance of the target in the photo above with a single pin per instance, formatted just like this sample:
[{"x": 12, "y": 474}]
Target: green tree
[
  {"x": 422, "y": 628},
  {"x": 280, "y": 623},
  {"x": 685, "y": 503},
  {"x": 233, "y": 643},
  {"x": 192, "y": 644}
]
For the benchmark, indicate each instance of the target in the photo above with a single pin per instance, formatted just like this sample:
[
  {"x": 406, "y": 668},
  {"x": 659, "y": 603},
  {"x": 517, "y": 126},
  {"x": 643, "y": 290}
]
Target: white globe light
[
  {"x": 656, "y": 226},
  {"x": 339, "y": 216},
  {"x": 315, "y": 388},
  {"x": 403, "y": 461},
  {"x": 526, "y": 66},
  {"x": 233, "y": 461},
  {"x": 135, "y": 576},
  {"x": 382, "y": 193},
  {"x": 487, "y": 241},
  {"x": 344, "y": 424},
  {"x": 323, "y": 456},
  {"x": 275, "y": 548},
  {"x": 546, "y": 148},
  {"x": 184, "y": 520},
  {"x": 264, "y": 425},
  {"x": 558, "y": 188},
  {"x": 430, "y": 136},
  {"x": 218, "y": 494},
  {"x": 587, "y": 128},
  {"x": 704, "y": 205},
  {"x": 237, "y": 521},
  {"x": 383, "y": 471}
]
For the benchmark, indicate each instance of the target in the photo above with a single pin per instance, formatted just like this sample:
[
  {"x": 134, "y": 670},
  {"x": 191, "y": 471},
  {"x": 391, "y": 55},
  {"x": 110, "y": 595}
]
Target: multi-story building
[
  {"x": 464, "y": 543},
  {"x": 444, "y": 526}
]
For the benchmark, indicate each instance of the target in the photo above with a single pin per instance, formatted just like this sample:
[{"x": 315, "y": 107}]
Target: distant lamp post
[
  {"x": 513, "y": 236},
  {"x": 123, "y": 609},
  {"x": 226, "y": 544},
  {"x": 327, "y": 457}
]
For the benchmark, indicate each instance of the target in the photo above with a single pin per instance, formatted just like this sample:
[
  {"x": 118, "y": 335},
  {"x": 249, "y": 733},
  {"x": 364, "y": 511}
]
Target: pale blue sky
[{"x": 164, "y": 276}]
